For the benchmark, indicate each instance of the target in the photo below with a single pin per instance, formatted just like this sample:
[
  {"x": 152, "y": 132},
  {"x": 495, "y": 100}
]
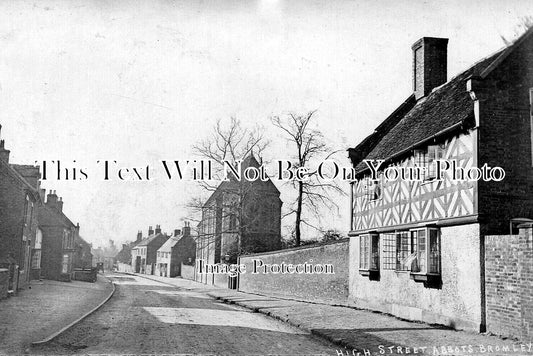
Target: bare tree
[
  {"x": 312, "y": 193},
  {"x": 229, "y": 143}
]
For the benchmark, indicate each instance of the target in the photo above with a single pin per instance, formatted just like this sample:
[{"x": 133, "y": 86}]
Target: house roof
[
  {"x": 148, "y": 240},
  {"x": 171, "y": 242},
  {"x": 233, "y": 184},
  {"x": 49, "y": 216},
  {"x": 12, "y": 171},
  {"x": 446, "y": 108}
]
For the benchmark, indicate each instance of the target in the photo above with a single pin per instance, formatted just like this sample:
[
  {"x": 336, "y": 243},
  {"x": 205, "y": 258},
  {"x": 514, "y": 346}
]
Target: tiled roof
[
  {"x": 233, "y": 184},
  {"x": 147, "y": 240},
  {"x": 445, "y": 107}
]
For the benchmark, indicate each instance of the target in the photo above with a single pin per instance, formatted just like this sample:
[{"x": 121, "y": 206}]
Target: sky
[{"x": 141, "y": 81}]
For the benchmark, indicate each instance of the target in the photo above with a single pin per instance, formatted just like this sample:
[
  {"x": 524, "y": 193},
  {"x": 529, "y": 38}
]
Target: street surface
[{"x": 148, "y": 317}]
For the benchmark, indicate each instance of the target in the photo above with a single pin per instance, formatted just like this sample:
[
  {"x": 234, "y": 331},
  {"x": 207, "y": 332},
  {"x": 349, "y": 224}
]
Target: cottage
[
  {"x": 418, "y": 246},
  {"x": 19, "y": 200},
  {"x": 144, "y": 253},
  {"x": 83, "y": 258},
  {"x": 178, "y": 249},
  {"x": 239, "y": 217},
  {"x": 58, "y": 241}
]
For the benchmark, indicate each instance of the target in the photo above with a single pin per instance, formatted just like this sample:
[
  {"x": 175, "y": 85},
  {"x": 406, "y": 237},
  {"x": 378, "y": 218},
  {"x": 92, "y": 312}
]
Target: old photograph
[{"x": 266, "y": 177}]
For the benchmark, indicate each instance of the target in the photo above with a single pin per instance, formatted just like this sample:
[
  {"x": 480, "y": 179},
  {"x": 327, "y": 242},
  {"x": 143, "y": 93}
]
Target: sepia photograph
[{"x": 266, "y": 177}]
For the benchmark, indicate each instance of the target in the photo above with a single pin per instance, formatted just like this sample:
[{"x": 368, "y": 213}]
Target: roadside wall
[
  {"x": 187, "y": 272},
  {"x": 509, "y": 284},
  {"x": 325, "y": 287},
  {"x": 124, "y": 267}
]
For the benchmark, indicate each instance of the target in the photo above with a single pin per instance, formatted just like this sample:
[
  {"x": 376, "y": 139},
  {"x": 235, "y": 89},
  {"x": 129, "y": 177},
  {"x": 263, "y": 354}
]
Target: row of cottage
[
  {"x": 240, "y": 217},
  {"x": 37, "y": 240}
]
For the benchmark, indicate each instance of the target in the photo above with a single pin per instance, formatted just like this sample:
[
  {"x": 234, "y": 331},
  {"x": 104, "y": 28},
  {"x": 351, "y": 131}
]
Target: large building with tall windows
[
  {"x": 240, "y": 217},
  {"x": 417, "y": 240}
]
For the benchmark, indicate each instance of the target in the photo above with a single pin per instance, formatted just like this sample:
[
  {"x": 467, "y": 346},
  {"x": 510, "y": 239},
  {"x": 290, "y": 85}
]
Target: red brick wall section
[
  {"x": 505, "y": 139},
  {"x": 329, "y": 288},
  {"x": 509, "y": 284}
]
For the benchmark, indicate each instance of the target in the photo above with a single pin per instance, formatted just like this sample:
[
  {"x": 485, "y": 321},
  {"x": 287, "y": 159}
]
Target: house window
[
  {"x": 372, "y": 189},
  {"x": 65, "y": 268},
  {"x": 368, "y": 253},
  {"x": 426, "y": 157},
  {"x": 389, "y": 251},
  {"x": 403, "y": 251},
  {"x": 426, "y": 251},
  {"x": 232, "y": 222}
]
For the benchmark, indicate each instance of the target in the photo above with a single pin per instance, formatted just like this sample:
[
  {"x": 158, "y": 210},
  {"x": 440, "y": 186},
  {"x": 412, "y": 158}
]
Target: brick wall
[
  {"x": 330, "y": 288},
  {"x": 509, "y": 284},
  {"x": 505, "y": 139}
]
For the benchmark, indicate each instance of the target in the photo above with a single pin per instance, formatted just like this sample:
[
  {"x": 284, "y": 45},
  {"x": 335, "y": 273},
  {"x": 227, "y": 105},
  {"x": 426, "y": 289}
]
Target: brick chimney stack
[
  {"x": 51, "y": 199},
  {"x": 430, "y": 57},
  {"x": 139, "y": 236},
  {"x": 187, "y": 229},
  {"x": 150, "y": 231},
  {"x": 158, "y": 229},
  {"x": 60, "y": 204},
  {"x": 4, "y": 154},
  {"x": 177, "y": 232}
]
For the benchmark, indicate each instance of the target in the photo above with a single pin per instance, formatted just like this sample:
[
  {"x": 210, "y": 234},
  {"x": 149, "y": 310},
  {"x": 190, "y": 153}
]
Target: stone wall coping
[{"x": 278, "y": 252}]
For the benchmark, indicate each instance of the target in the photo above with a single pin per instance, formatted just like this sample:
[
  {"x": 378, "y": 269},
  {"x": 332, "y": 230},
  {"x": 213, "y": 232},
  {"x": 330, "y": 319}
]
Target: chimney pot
[{"x": 429, "y": 65}]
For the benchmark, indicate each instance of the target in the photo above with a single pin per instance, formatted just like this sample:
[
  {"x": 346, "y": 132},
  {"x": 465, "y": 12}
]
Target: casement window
[
  {"x": 427, "y": 156},
  {"x": 372, "y": 188},
  {"x": 426, "y": 249},
  {"x": 388, "y": 242},
  {"x": 369, "y": 255},
  {"x": 403, "y": 251},
  {"x": 417, "y": 251}
]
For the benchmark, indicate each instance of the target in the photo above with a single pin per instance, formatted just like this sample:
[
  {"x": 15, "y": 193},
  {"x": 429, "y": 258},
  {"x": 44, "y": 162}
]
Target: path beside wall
[
  {"x": 326, "y": 288},
  {"x": 509, "y": 284}
]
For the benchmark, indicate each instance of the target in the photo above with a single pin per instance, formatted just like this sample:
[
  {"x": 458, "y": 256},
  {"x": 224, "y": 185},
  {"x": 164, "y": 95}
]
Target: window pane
[
  {"x": 389, "y": 251},
  {"x": 434, "y": 251},
  {"x": 403, "y": 250},
  {"x": 421, "y": 253},
  {"x": 374, "y": 264}
]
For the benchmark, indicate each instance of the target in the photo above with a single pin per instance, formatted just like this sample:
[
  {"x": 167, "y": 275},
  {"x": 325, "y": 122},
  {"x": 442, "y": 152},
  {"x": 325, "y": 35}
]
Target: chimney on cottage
[
  {"x": 139, "y": 236},
  {"x": 51, "y": 199},
  {"x": 60, "y": 204},
  {"x": 158, "y": 229},
  {"x": 187, "y": 229},
  {"x": 4, "y": 154},
  {"x": 150, "y": 231},
  {"x": 430, "y": 56},
  {"x": 177, "y": 232}
]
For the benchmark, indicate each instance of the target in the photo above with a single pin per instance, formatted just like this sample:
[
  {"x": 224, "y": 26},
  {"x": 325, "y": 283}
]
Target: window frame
[
  {"x": 430, "y": 274},
  {"x": 426, "y": 157},
  {"x": 369, "y": 255}
]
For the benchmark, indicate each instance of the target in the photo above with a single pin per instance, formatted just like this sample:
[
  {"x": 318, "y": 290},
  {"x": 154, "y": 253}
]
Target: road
[{"x": 148, "y": 317}]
